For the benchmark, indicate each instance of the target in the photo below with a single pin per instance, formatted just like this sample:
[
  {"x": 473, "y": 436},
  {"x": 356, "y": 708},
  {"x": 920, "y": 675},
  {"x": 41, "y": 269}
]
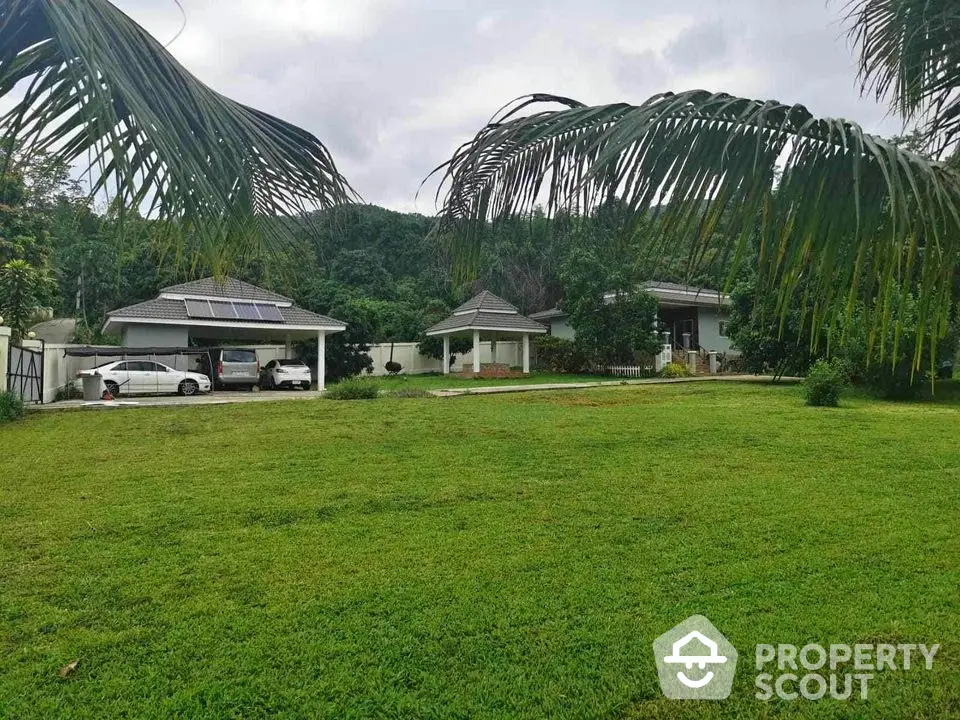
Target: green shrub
[
  {"x": 675, "y": 370},
  {"x": 558, "y": 355},
  {"x": 11, "y": 407},
  {"x": 824, "y": 383},
  {"x": 354, "y": 388},
  {"x": 68, "y": 392}
]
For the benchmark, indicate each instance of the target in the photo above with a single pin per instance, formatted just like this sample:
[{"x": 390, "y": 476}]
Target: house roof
[
  {"x": 548, "y": 314},
  {"x": 229, "y": 288},
  {"x": 669, "y": 294},
  {"x": 486, "y": 311},
  {"x": 675, "y": 293}
]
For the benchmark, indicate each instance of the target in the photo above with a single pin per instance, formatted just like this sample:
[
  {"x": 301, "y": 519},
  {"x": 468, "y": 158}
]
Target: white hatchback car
[
  {"x": 143, "y": 377},
  {"x": 285, "y": 374}
]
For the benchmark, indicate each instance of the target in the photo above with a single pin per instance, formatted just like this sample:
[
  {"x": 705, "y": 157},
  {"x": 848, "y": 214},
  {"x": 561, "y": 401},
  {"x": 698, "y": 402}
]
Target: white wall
[
  {"x": 560, "y": 328},
  {"x": 708, "y": 329},
  {"x": 155, "y": 336}
]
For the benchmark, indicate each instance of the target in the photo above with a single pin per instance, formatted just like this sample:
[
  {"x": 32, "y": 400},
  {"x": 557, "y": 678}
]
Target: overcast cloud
[{"x": 393, "y": 86}]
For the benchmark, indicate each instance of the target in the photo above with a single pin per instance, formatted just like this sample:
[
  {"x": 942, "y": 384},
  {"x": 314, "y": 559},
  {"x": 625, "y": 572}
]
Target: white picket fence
[{"x": 629, "y": 371}]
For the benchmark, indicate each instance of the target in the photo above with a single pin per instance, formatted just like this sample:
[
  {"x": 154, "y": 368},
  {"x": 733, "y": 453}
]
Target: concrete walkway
[{"x": 494, "y": 389}]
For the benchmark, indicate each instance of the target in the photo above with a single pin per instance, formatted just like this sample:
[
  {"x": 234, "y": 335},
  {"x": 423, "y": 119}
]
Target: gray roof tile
[
  {"x": 166, "y": 309},
  {"x": 229, "y": 288},
  {"x": 548, "y": 314},
  {"x": 156, "y": 309},
  {"x": 486, "y": 301}
]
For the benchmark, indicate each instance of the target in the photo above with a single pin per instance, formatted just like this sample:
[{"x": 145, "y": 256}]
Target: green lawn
[{"x": 507, "y": 556}]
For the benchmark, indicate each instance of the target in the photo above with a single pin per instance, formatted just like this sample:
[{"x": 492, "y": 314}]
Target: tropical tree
[
  {"x": 98, "y": 88},
  {"x": 20, "y": 286},
  {"x": 835, "y": 211}
]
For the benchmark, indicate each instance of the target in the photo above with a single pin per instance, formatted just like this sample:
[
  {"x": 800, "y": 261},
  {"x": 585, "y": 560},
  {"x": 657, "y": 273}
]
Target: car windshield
[
  {"x": 288, "y": 363},
  {"x": 241, "y": 356}
]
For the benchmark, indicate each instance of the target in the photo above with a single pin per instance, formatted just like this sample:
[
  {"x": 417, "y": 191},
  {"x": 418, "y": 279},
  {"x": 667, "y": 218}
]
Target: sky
[{"x": 392, "y": 87}]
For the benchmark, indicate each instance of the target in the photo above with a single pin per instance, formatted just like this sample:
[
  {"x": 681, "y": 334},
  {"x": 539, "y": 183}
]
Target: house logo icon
[{"x": 695, "y": 661}]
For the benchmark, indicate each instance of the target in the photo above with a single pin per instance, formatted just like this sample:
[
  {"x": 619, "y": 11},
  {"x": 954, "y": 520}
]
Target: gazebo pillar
[
  {"x": 288, "y": 346},
  {"x": 493, "y": 351},
  {"x": 526, "y": 354},
  {"x": 446, "y": 354},
  {"x": 321, "y": 359},
  {"x": 476, "y": 352}
]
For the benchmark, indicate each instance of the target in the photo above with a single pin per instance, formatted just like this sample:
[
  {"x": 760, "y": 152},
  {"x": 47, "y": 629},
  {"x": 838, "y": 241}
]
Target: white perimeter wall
[{"x": 508, "y": 351}]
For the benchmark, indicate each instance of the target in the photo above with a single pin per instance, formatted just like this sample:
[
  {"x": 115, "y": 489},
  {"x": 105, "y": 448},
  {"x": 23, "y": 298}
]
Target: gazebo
[{"x": 492, "y": 316}]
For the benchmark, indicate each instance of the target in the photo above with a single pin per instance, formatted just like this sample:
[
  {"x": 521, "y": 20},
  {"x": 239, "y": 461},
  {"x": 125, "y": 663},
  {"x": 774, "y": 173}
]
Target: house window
[{"x": 722, "y": 325}]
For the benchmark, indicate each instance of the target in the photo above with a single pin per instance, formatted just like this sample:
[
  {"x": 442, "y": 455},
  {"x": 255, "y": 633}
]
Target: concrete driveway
[{"x": 220, "y": 397}]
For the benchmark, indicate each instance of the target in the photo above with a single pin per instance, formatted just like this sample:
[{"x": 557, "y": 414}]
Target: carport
[{"x": 209, "y": 312}]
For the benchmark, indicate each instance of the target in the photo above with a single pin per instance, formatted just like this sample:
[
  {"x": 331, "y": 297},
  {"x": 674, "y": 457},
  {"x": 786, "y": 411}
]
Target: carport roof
[
  {"x": 228, "y": 288},
  {"x": 167, "y": 309},
  {"x": 171, "y": 309}
]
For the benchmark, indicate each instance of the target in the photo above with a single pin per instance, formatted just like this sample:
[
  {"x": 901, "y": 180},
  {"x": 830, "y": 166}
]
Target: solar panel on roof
[
  {"x": 198, "y": 309},
  {"x": 270, "y": 313},
  {"x": 247, "y": 311},
  {"x": 223, "y": 310}
]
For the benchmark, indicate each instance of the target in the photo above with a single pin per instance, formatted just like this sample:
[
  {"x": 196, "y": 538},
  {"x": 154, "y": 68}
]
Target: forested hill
[{"x": 380, "y": 271}]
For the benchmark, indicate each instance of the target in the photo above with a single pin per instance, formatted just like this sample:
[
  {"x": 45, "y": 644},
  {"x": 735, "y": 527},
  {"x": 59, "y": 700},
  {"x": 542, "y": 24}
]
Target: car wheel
[
  {"x": 305, "y": 386},
  {"x": 112, "y": 388},
  {"x": 188, "y": 387}
]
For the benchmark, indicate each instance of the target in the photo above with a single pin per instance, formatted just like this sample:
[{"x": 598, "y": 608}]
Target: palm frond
[
  {"x": 99, "y": 88},
  {"x": 849, "y": 216},
  {"x": 909, "y": 54}
]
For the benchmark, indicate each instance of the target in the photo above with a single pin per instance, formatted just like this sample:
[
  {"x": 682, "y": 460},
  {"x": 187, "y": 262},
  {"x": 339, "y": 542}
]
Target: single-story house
[
  {"x": 212, "y": 312},
  {"x": 694, "y": 317}
]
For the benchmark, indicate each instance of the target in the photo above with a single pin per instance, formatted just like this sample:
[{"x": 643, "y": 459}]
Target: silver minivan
[{"x": 235, "y": 368}]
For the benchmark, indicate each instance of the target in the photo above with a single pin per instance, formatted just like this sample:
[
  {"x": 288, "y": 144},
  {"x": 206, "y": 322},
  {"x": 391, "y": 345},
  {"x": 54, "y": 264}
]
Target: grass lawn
[
  {"x": 437, "y": 381},
  {"x": 507, "y": 556}
]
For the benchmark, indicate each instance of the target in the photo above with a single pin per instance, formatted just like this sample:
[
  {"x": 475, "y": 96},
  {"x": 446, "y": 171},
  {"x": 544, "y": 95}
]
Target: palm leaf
[
  {"x": 910, "y": 54},
  {"x": 97, "y": 87},
  {"x": 850, "y": 216}
]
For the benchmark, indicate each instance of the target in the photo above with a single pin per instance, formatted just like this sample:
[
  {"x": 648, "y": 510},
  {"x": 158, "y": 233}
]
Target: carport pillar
[
  {"x": 476, "y": 352},
  {"x": 288, "y": 346},
  {"x": 446, "y": 354},
  {"x": 526, "y": 354},
  {"x": 5, "y": 334},
  {"x": 321, "y": 360}
]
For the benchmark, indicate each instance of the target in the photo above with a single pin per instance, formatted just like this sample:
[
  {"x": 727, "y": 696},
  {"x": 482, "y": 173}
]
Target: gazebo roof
[
  {"x": 487, "y": 312},
  {"x": 486, "y": 302}
]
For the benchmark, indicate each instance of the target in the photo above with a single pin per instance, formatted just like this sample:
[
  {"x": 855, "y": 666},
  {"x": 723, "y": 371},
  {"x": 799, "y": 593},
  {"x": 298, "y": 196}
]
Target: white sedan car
[
  {"x": 285, "y": 374},
  {"x": 142, "y": 377}
]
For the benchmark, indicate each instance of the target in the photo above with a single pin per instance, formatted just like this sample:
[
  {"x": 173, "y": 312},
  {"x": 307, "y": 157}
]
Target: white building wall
[
  {"x": 155, "y": 336},
  {"x": 560, "y": 328},
  {"x": 708, "y": 329}
]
